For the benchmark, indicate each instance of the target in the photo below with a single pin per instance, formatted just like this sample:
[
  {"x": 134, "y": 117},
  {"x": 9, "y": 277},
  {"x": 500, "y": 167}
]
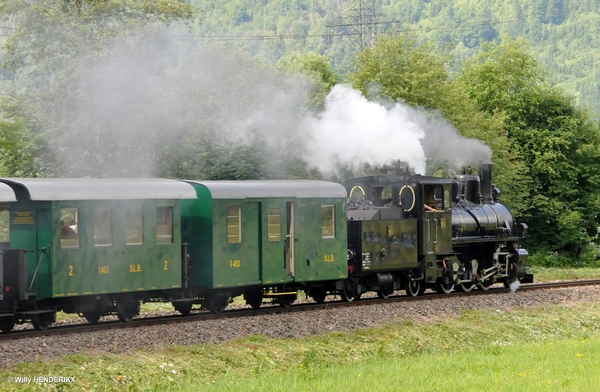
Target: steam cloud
[
  {"x": 514, "y": 286},
  {"x": 355, "y": 130},
  {"x": 135, "y": 103}
]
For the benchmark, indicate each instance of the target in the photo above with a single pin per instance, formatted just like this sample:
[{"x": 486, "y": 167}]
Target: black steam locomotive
[{"x": 418, "y": 232}]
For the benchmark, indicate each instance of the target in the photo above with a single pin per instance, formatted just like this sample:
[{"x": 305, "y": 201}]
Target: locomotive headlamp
[{"x": 521, "y": 229}]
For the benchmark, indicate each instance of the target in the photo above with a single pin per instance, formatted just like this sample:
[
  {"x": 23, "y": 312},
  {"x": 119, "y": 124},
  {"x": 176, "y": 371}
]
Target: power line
[{"x": 355, "y": 33}]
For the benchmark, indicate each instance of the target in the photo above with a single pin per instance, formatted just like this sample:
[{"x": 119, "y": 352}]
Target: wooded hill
[{"x": 564, "y": 35}]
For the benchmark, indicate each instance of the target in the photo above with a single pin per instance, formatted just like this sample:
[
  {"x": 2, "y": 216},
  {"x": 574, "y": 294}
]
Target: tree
[
  {"x": 317, "y": 71},
  {"x": 557, "y": 141},
  {"x": 17, "y": 149},
  {"x": 399, "y": 68},
  {"x": 56, "y": 46}
]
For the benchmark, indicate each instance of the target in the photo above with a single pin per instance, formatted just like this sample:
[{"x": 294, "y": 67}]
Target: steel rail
[{"x": 236, "y": 313}]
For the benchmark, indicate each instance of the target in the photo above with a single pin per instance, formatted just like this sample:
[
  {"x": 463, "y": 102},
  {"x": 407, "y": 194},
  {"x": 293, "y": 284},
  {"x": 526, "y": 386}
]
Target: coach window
[
  {"x": 69, "y": 221},
  {"x": 4, "y": 224},
  {"x": 103, "y": 226},
  {"x": 164, "y": 225},
  {"x": 234, "y": 224},
  {"x": 328, "y": 219},
  {"x": 274, "y": 231},
  {"x": 134, "y": 221}
]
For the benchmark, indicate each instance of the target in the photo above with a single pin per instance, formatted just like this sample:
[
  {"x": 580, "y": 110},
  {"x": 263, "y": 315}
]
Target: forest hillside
[{"x": 563, "y": 34}]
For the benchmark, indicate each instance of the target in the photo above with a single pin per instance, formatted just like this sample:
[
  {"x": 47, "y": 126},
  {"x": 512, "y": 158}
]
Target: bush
[{"x": 553, "y": 259}]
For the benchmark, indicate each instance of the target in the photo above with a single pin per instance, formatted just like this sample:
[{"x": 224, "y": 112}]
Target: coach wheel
[
  {"x": 286, "y": 301},
  {"x": 184, "y": 308},
  {"x": 319, "y": 296},
  {"x": 218, "y": 303},
  {"x": 254, "y": 298},
  {"x": 127, "y": 310},
  {"x": 93, "y": 317},
  {"x": 42, "y": 321},
  {"x": 413, "y": 288},
  {"x": 385, "y": 292},
  {"x": 7, "y": 324}
]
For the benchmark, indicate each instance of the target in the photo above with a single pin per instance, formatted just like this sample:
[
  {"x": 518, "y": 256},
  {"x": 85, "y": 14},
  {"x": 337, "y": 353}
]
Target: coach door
[
  {"x": 290, "y": 239},
  {"x": 274, "y": 262}
]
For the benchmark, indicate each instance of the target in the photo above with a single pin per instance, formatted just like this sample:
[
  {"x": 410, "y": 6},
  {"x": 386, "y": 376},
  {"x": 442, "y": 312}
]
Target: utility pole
[{"x": 360, "y": 22}]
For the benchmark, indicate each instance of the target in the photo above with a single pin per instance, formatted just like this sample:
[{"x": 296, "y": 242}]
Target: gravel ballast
[{"x": 284, "y": 325}]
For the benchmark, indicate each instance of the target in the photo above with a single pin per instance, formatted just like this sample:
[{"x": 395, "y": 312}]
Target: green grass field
[
  {"x": 548, "y": 348},
  {"x": 542, "y": 274}
]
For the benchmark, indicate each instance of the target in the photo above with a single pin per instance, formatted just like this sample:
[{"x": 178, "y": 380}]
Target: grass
[
  {"x": 543, "y": 274},
  {"x": 545, "y": 348}
]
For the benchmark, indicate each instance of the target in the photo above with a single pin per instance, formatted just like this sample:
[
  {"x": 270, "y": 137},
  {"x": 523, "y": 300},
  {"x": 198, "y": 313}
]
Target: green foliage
[
  {"x": 55, "y": 43},
  {"x": 587, "y": 258},
  {"x": 399, "y": 68},
  {"x": 317, "y": 70},
  {"x": 17, "y": 150},
  {"x": 557, "y": 142},
  {"x": 562, "y": 34}
]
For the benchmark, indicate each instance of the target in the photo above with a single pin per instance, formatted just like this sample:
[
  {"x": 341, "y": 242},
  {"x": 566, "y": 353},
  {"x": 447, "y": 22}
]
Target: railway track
[{"x": 236, "y": 313}]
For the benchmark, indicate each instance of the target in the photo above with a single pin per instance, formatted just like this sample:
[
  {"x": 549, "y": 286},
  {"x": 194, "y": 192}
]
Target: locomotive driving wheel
[
  {"x": 385, "y": 292},
  {"x": 486, "y": 284},
  {"x": 413, "y": 288},
  {"x": 512, "y": 274},
  {"x": 466, "y": 286},
  {"x": 444, "y": 288}
]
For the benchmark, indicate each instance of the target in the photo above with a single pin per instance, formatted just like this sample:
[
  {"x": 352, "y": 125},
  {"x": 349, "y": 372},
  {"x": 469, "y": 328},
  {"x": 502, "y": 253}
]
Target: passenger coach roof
[
  {"x": 6, "y": 193},
  {"x": 103, "y": 188},
  {"x": 272, "y": 188}
]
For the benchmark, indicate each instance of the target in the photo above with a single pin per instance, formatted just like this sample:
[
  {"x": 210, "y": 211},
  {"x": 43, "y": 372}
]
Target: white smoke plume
[
  {"x": 354, "y": 130},
  {"x": 514, "y": 286},
  {"x": 126, "y": 111}
]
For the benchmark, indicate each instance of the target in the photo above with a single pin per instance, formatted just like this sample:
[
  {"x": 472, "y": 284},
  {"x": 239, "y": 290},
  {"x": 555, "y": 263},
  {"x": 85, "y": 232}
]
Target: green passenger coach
[
  {"x": 96, "y": 246},
  {"x": 264, "y": 239}
]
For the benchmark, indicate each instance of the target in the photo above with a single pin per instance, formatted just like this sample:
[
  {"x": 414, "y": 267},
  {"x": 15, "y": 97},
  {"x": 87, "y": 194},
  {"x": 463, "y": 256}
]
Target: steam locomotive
[
  {"x": 432, "y": 233},
  {"x": 99, "y": 247}
]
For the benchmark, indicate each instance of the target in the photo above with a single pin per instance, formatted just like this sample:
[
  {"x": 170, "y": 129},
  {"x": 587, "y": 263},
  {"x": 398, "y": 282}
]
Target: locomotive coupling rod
[{"x": 489, "y": 272}]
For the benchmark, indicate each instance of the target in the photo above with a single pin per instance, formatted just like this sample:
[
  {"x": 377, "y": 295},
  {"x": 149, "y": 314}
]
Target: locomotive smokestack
[{"x": 485, "y": 175}]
